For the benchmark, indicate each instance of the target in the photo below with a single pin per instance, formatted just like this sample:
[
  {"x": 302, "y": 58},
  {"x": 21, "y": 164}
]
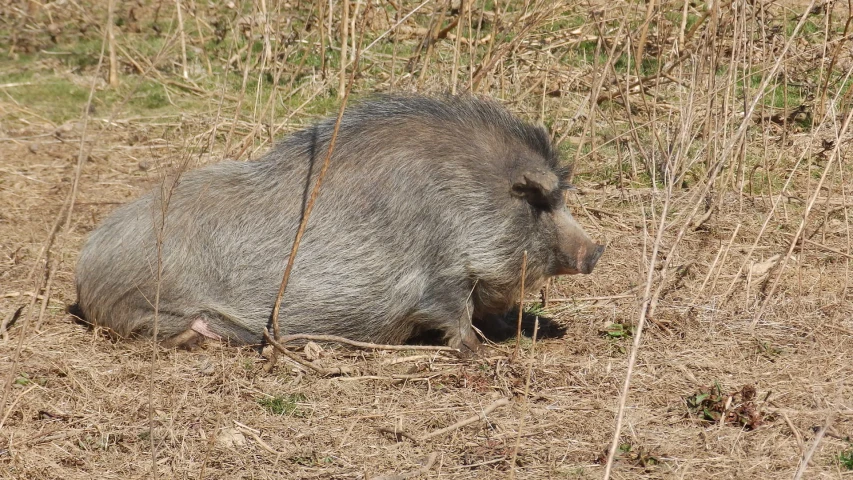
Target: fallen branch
[
  {"x": 366, "y": 345},
  {"x": 820, "y": 246},
  {"x": 468, "y": 421},
  {"x": 9, "y": 321},
  {"x": 397, "y": 434},
  {"x": 253, "y": 433},
  {"x": 401, "y": 376},
  {"x": 326, "y": 372}
]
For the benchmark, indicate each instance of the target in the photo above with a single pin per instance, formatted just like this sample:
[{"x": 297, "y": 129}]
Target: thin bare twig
[
  {"x": 468, "y": 421},
  {"x": 70, "y": 199}
]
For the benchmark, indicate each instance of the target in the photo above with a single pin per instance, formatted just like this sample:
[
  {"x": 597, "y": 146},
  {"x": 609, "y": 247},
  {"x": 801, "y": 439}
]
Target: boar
[{"x": 420, "y": 226}]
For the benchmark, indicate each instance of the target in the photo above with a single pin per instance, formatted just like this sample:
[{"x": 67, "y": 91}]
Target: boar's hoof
[{"x": 466, "y": 342}]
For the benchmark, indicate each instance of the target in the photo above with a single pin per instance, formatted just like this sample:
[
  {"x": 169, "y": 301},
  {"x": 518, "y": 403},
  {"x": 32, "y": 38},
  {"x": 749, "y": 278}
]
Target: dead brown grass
[{"x": 81, "y": 406}]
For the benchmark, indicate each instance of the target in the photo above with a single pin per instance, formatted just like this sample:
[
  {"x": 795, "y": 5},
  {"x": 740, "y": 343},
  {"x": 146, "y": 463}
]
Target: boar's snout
[
  {"x": 587, "y": 263},
  {"x": 580, "y": 259},
  {"x": 575, "y": 251}
]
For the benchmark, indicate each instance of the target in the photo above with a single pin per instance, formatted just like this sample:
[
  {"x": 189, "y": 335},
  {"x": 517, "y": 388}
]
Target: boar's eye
[
  {"x": 534, "y": 196},
  {"x": 537, "y": 187}
]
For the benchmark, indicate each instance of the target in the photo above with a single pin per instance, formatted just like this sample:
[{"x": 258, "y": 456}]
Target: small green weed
[
  {"x": 617, "y": 331},
  {"x": 711, "y": 405},
  {"x": 535, "y": 309},
  {"x": 284, "y": 405},
  {"x": 635, "y": 455},
  {"x": 24, "y": 380},
  {"x": 845, "y": 458}
]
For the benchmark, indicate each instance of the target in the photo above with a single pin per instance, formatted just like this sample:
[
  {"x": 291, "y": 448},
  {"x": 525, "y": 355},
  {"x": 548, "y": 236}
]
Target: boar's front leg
[{"x": 461, "y": 334}]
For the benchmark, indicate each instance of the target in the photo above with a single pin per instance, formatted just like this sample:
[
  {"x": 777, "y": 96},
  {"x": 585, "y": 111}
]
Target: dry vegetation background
[{"x": 712, "y": 146}]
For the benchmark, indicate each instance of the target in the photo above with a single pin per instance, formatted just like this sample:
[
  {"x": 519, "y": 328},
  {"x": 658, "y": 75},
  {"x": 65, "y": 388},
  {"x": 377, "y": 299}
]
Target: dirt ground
[{"x": 744, "y": 365}]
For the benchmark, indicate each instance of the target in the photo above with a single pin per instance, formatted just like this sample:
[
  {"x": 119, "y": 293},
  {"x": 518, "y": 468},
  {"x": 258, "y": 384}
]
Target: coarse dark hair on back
[{"x": 470, "y": 112}]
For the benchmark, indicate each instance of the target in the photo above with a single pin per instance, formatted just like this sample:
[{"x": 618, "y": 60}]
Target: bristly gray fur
[{"x": 421, "y": 223}]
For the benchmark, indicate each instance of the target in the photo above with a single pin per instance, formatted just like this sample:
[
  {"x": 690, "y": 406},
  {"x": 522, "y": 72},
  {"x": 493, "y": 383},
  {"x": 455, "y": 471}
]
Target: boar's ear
[{"x": 536, "y": 186}]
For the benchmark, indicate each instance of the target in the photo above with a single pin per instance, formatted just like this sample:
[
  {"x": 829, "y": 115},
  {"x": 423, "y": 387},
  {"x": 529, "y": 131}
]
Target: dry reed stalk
[
  {"x": 342, "y": 75},
  {"x": 265, "y": 34},
  {"x": 724, "y": 251},
  {"x": 778, "y": 200},
  {"x": 160, "y": 229},
  {"x": 200, "y": 32},
  {"x": 454, "y": 74},
  {"x": 503, "y": 49},
  {"x": 183, "y": 38},
  {"x": 807, "y": 456},
  {"x": 730, "y": 146},
  {"x": 526, "y": 407},
  {"x": 644, "y": 31},
  {"x": 239, "y": 106},
  {"x": 638, "y": 335},
  {"x": 520, "y": 302},
  {"x": 599, "y": 75},
  {"x": 268, "y": 108},
  {"x": 353, "y": 32},
  {"x": 735, "y": 142},
  {"x": 111, "y": 41},
  {"x": 72, "y": 196},
  {"x": 793, "y": 243},
  {"x": 46, "y": 297},
  {"x": 320, "y": 29},
  {"x": 309, "y": 206},
  {"x": 431, "y": 37},
  {"x": 211, "y": 441}
]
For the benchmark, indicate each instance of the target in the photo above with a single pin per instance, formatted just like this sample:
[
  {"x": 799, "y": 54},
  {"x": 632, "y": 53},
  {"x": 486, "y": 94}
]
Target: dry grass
[{"x": 749, "y": 214}]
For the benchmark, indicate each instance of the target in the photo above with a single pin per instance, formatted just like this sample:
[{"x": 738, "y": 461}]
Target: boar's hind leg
[{"x": 192, "y": 337}]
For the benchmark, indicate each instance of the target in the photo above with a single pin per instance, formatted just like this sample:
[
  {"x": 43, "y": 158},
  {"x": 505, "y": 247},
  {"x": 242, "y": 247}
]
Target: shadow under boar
[{"x": 420, "y": 226}]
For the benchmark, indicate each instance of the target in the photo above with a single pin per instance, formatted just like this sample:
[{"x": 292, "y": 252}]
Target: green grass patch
[
  {"x": 809, "y": 28},
  {"x": 674, "y": 16},
  {"x": 626, "y": 64},
  {"x": 55, "y": 98},
  {"x": 784, "y": 97},
  {"x": 584, "y": 54}
]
